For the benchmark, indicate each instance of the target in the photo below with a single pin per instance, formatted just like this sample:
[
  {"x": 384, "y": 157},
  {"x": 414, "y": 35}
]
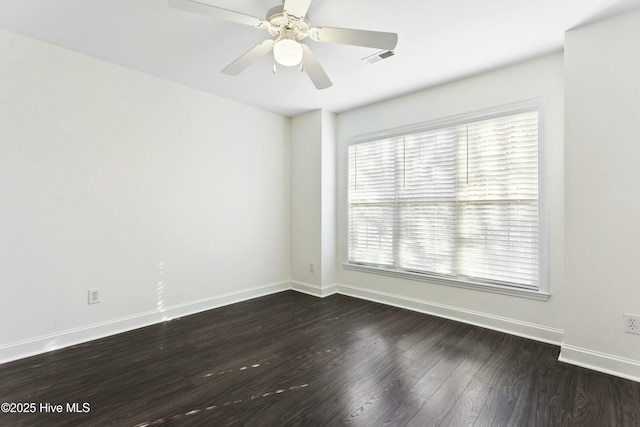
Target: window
[{"x": 456, "y": 201}]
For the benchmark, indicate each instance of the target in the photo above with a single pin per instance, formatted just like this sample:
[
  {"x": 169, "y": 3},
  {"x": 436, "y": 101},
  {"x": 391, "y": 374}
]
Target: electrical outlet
[
  {"x": 312, "y": 267},
  {"x": 631, "y": 324},
  {"x": 94, "y": 296}
]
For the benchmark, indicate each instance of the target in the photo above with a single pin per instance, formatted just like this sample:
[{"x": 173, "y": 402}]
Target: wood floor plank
[
  {"x": 604, "y": 400},
  {"x": 380, "y": 401},
  {"x": 458, "y": 352},
  {"x": 450, "y": 379},
  {"x": 466, "y": 409},
  {"x": 290, "y": 359},
  {"x": 401, "y": 412},
  {"x": 509, "y": 373}
]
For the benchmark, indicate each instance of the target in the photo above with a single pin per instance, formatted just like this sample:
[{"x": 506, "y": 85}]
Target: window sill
[{"x": 483, "y": 287}]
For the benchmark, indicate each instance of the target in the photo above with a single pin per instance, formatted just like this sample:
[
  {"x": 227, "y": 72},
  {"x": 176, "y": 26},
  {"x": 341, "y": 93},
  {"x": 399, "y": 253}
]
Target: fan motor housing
[{"x": 285, "y": 26}]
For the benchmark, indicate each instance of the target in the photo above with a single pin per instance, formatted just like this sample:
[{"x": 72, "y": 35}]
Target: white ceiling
[{"x": 439, "y": 41}]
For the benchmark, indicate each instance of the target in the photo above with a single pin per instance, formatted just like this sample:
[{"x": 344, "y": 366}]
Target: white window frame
[{"x": 542, "y": 293}]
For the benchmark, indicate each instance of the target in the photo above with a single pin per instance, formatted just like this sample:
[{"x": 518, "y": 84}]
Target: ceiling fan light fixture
[
  {"x": 287, "y": 25},
  {"x": 287, "y": 52}
]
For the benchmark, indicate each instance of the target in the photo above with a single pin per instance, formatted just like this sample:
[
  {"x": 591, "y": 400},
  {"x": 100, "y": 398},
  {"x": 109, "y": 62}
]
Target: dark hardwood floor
[{"x": 291, "y": 359}]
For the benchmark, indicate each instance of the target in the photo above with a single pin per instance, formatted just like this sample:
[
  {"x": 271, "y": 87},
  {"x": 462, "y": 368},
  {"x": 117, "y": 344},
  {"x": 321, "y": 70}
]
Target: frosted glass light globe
[{"x": 287, "y": 52}]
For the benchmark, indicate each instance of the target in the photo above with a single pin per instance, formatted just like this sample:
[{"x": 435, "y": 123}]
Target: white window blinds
[{"x": 459, "y": 202}]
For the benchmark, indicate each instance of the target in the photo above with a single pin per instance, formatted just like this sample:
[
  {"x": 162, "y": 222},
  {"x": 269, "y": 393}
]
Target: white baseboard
[
  {"x": 315, "y": 290},
  {"x": 502, "y": 324},
  {"x": 43, "y": 344},
  {"x": 601, "y": 362},
  {"x": 606, "y": 363}
]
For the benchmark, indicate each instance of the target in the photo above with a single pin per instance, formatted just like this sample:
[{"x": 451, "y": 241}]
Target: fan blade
[
  {"x": 314, "y": 70},
  {"x": 217, "y": 12},
  {"x": 376, "y": 39},
  {"x": 296, "y": 8},
  {"x": 252, "y": 55}
]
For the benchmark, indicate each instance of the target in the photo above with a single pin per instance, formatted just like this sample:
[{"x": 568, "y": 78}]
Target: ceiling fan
[{"x": 288, "y": 26}]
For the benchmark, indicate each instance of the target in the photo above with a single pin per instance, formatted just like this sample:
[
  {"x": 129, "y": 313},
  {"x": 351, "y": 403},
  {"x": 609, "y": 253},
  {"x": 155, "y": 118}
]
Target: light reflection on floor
[
  {"x": 244, "y": 368},
  {"x": 213, "y": 407},
  {"x": 160, "y": 291}
]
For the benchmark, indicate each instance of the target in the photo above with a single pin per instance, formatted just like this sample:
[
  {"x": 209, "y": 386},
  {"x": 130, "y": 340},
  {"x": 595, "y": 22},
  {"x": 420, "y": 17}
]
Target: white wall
[
  {"x": 329, "y": 231},
  {"x": 602, "y": 173},
  {"x": 168, "y": 199},
  {"x": 306, "y": 197},
  {"x": 313, "y": 233},
  {"x": 539, "y": 78}
]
